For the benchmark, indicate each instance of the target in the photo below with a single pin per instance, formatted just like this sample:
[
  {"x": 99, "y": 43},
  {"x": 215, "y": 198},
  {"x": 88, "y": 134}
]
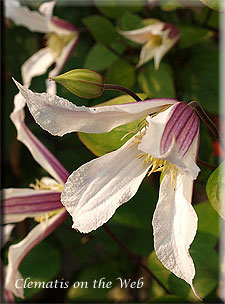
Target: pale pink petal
[
  {"x": 37, "y": 65},
  {"x": 61, "y": 27},
  {"x": 142, "y": 35},
  {"x": 175, "y": 225},
  {"x": 46, "y": 9},
  {"x": 151, "y": 143},
  {"x": 21, "y": 15},
  {"x": 19, "y": 204},
  {"x": 94, "y": 191},
  {"x": 18, "y": 251},
  {"x": 39, "y": 152},
  {"x": 59, "y": 116}
]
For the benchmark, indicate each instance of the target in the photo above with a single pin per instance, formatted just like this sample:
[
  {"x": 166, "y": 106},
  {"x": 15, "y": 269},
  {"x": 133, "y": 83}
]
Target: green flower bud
[{"x": 82, "y": 82}]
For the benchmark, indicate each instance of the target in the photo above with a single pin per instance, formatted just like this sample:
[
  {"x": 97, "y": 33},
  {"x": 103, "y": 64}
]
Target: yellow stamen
[
  {"x": 47, "y": 216},
  {"x": 42, "y": 185}
]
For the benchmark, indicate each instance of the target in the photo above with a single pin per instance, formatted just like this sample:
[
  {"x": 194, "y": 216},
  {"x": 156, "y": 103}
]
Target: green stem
[{"x": 122, "y": 89}]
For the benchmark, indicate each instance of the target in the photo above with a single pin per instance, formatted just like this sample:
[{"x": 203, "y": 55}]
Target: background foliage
[{"x": 188, "y": 72}]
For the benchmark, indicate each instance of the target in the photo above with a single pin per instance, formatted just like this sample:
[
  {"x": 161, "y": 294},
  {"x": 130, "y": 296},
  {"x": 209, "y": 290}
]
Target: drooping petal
[
  {"x": 21, "y": 15},
  {"x": 166, "y": 45},
  {"x": 18, "y": 251},
  {"x": 174, "y": 226},
  {"x": 93, "y": 192},
  {"x": 172, "y": 135},
  {"x": 147, "y": 53},
  {"x": 37, "y": 65},
  {"x": 39, "y": 152},
  {"x": 59, "y": 116},
  {"x": 19, "y": 204},
  {"x": 143, "y": 34}
]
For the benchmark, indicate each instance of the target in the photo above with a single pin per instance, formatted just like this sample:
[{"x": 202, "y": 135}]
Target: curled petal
[
  {"x": 21, "y": 15},
  {"x": 18, "y": 251},
  {"x": 22, "y": 203},
  {"x": 7, "y": 230},
  {"x": 94, "y": 191},
  {"x": 40, "y": 153},
  {"x": 148, "y": 51},
  {"x": 46, "y": 8},
  {"x": 59, "y": 116},
  {"x": 37, "y": 65},
  {"x": 174, "y": 226},
  {"x": 143, "y": 34}
]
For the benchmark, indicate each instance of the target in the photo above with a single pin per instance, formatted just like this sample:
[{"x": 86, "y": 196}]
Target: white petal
[
  {"x": 37, "y": 149},
  {"x": 59, "y": 116},
  {"x": 147, "y": 53},
  {"x": 7, "y": 230},
  {"x": 150, "y": 144},
  {"x": 46, "y": 8},
  {"x": 18, "y": 251},
  {"x": 175, "y": 225},
  {"x": 94, "y": 191},
  {"x": 21, "y": 15},
  {"x": 37, "y": 65},
  {"x": 166, "y": 45},
  {"x": 142, "y": 35}
]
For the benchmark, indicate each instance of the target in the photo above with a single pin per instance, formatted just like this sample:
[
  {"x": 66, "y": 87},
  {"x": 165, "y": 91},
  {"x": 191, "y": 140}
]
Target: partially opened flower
[
  {"x": 167, "y": 141},
  {"x": 61, "y": 38},
  {"x": 41, "y": 203},
  {"x": 157, "y": 39}
]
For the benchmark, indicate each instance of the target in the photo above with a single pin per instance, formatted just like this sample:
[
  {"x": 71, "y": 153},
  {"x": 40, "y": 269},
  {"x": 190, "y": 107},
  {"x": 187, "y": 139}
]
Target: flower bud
[{"x": 82, "y": 82}]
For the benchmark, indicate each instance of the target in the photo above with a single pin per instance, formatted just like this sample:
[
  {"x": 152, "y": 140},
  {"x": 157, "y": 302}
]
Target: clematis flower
[
  {"x": 41, "y": 203},
  {"x": 167, "y": 142},
  {"x": 61, "y": 38},
  {"x": 157, "y": 39}
]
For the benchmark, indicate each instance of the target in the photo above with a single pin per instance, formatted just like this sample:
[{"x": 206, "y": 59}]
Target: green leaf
[
  {"x": 101, "y": 29},
  {"x": 213, "y": 4},
  {"x": 130, "y": 21},
  {"x": 121, "y": 73},
  {"x": 170, "y": 5},
  {"x": 99, "y": 58},
  {"x": 216, "y": 191},
  {"x": 34, "y": 264},
  {"x": 101, "y": 144},
  {"x": 157, "y": 83},
  {"x": 200, "y": 77},
  {"x": 190, "y": 35}
]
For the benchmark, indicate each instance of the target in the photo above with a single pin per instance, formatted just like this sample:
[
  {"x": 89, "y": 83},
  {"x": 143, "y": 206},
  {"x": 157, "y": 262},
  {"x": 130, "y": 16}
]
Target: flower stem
[
  {"x": 208, "y": 122},
  {"x": 133, "y": 256},
  {"x": 210, "y": 166},
  {"x": 122, "y": 89}
]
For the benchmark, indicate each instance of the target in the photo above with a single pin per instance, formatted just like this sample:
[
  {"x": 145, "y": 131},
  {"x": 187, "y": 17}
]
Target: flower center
[
  {"x": 57, "y": 42},
  {"x": 44, "y": 184},
  {"x": 154, "y": 40}
]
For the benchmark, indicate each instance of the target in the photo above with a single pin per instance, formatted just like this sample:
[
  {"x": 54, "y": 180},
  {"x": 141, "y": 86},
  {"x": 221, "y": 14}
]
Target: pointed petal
[
  {"x": 37, "y": 65},
  {"x": 143, "y": 34},
  {"x": 94, "y": 191},
  {"x": 21, "y": 15},
  {"x": 174, "y": 225},
  {"x": 22, "y": 203},
  {"x": 166, "y": 45},
  {"x": 147, "y": 53},
  {"x": 39, "y": 152},
  {"x": 46, "y": 8},
  {"x": 18, "y": 251},
  {"x": 59, "y": 116}
]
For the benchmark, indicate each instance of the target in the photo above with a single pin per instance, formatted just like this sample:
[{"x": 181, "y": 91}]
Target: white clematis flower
[
  {"x": 168, "y": 142},
  {"x": 61, "y": 36},
  {"x": 157, "y": 39},
  {"x": 41, "y": 203}
]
